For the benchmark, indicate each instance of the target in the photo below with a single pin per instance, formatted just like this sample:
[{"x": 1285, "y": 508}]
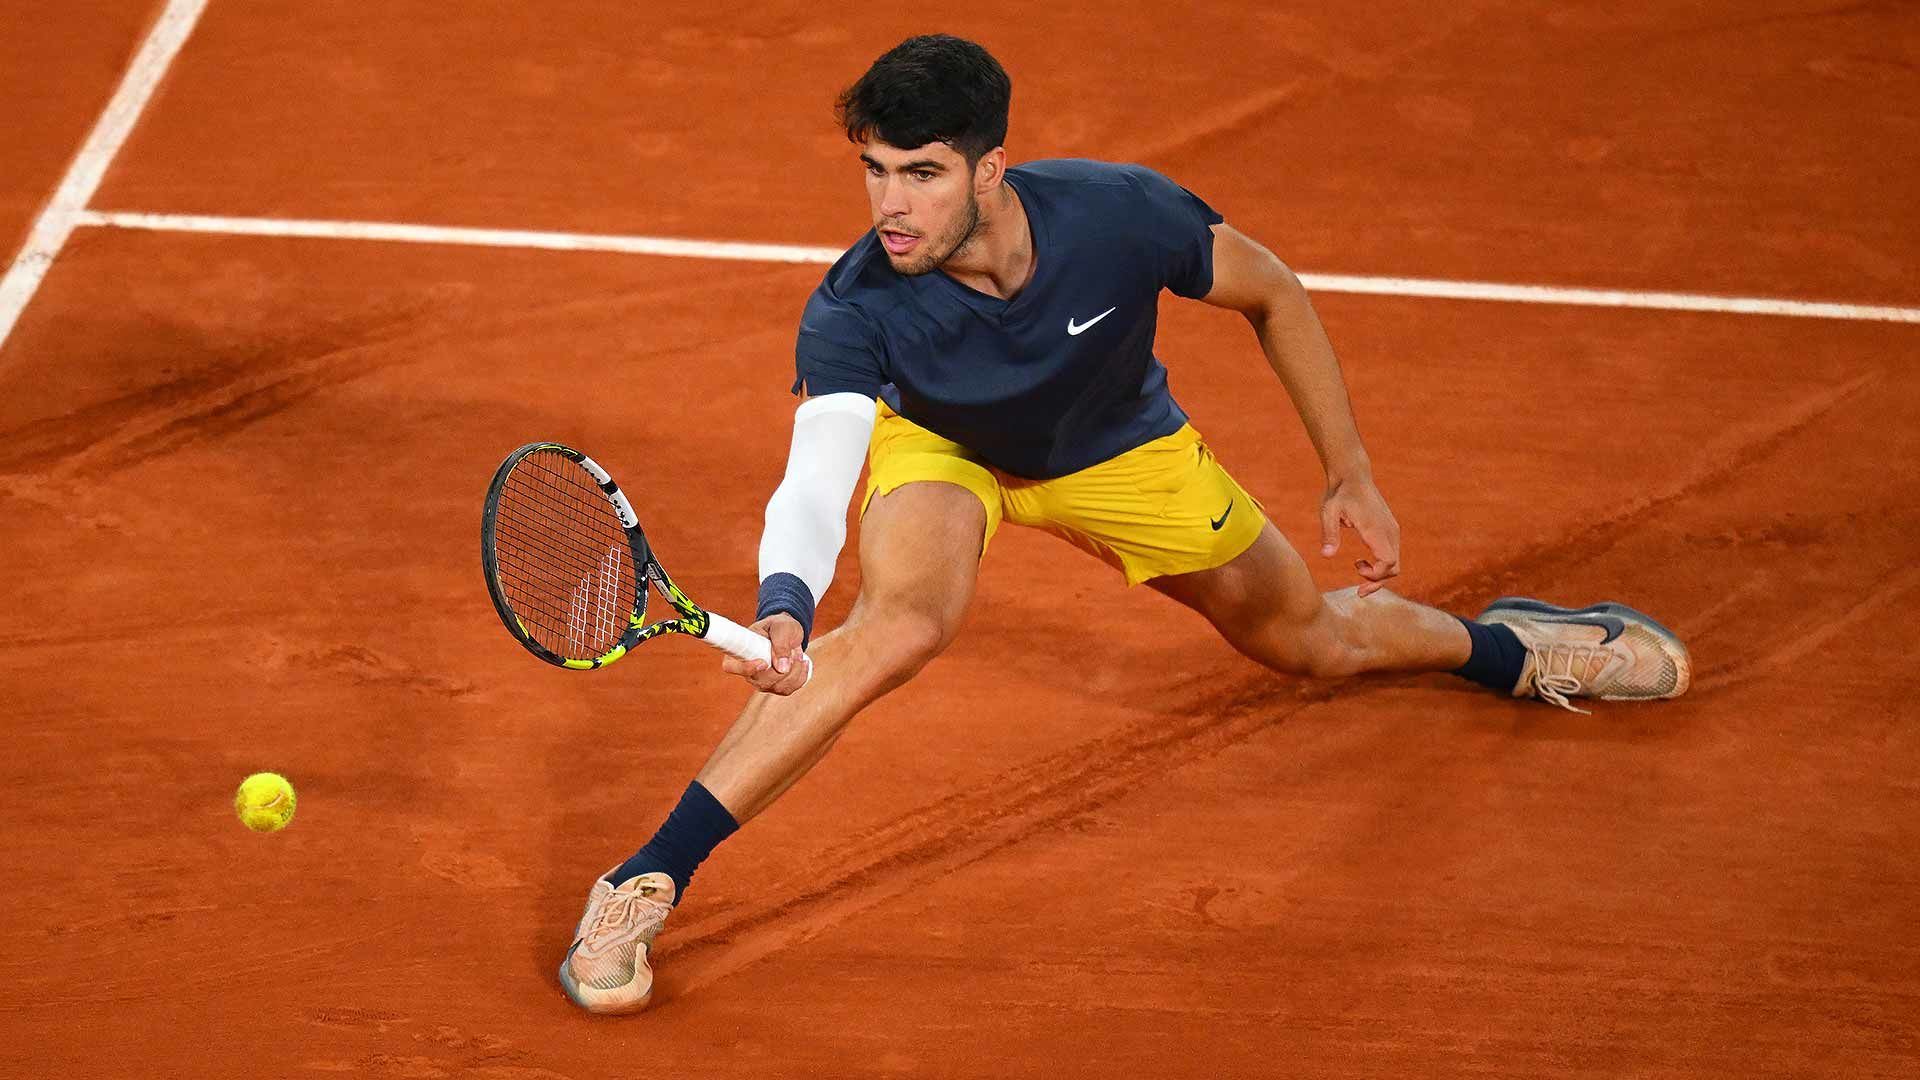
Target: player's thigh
[
  {"x": 1265, "y": 587},
  {"x": 920, "y": 556}
]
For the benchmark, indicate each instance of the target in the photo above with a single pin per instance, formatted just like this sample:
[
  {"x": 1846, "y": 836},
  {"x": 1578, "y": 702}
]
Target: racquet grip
[
  {"x": 741, "y": 643},
  {"x": 737, "y": 641}
]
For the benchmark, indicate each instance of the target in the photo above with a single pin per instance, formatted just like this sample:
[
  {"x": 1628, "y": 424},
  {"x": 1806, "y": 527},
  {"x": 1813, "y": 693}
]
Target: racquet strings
[{"x": 564, "y": 561}]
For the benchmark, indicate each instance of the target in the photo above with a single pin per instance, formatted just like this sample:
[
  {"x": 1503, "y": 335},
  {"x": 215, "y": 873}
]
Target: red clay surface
[
  {"x": 239, "y": 497},
  {"x": 57, "y": 70}
]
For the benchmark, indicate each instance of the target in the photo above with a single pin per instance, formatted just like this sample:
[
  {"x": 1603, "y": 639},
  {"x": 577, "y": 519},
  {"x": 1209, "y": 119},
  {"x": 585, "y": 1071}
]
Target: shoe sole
[{"x": 1683, "y": 660}]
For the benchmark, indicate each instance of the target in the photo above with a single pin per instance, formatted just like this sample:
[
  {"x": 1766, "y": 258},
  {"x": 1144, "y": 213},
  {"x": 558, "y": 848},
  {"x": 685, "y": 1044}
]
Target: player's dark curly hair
[{"x": 932, "y": 88}]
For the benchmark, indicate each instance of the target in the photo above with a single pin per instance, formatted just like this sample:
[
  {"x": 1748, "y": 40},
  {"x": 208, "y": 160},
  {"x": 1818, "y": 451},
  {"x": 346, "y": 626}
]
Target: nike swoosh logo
[
  {"x": 1223, "y": 516},
  {"x": 1614, "y": 627},
  {"x": 1075, "y": 329}
]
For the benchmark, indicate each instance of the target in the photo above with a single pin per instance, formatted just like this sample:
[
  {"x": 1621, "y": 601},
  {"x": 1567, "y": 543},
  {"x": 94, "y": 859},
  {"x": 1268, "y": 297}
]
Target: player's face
[{"x": 923, "y": 203}]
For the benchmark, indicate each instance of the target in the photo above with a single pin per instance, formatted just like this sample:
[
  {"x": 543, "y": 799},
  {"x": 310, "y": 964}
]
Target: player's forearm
[
  {"x": 1298, "y": 351},
  {"x": 807, "y": 516}
]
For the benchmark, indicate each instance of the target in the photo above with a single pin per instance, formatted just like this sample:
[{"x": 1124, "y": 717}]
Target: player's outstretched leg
[
  {"x": 1265, "y": 604},
  {"x": 919, "y": 555}
]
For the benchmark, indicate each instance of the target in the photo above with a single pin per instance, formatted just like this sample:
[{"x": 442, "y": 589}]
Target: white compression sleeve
[{"x": 807, "y": 516}]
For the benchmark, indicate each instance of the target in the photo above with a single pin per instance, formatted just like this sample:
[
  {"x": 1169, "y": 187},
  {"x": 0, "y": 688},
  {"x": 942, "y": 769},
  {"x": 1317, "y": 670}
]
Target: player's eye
[{"x": 922, "y": 175}]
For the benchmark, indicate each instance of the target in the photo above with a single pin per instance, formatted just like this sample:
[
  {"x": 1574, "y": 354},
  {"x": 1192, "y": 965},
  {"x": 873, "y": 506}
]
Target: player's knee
[
  {"x": 1315, "y": 654},
  {"x": 903, "y": 641}
]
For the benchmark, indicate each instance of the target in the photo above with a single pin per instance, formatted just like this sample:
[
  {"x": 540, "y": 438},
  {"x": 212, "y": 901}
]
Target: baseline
[{"x": 1376, "y": 285}]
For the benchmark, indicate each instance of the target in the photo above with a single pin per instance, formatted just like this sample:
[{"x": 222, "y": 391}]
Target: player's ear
[{"x": 991, "y": 169}]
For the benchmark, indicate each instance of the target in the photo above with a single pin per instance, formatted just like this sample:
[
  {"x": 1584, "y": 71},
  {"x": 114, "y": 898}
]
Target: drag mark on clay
[
  {"x": 163, "y": 973},
  {"x": 1747, "y": 447},
  {"x": 947, "y": 836},
  {"x": 444, "y": 1050},
  {"x": 1806, "y": 639},
  {"x": 356, "y": 1019}
]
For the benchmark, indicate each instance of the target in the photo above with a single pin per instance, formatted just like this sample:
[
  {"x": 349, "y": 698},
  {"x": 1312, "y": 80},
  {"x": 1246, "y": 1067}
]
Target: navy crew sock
[
  {"x": 1498, "y": 656},
  {"x": 691, "y": 832}
]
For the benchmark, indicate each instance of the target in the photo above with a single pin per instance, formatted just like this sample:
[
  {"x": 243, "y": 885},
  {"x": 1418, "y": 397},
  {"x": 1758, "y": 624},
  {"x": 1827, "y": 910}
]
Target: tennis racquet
[{"x": 568, "y": 567}]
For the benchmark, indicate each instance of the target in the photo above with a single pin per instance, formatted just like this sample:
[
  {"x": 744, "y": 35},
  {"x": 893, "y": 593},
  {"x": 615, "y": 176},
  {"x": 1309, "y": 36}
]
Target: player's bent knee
[
  {"x": 899, "y": 642},
  {"x": 1312, "y": 653},
  {"x": 903, "y": 646}
]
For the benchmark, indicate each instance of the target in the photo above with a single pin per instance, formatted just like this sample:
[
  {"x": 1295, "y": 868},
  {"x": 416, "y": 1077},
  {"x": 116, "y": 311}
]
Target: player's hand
[
  {"x": 790, "y": 664},
  {"x": 1358, "y": 505}
]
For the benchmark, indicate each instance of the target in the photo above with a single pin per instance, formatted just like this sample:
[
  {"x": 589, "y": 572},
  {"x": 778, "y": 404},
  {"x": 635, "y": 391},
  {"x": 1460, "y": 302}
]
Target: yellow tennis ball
[{"x": 264, "y": 802}]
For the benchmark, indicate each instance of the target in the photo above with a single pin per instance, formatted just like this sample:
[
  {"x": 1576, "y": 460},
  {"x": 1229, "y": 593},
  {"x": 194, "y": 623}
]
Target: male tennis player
[{"x": 988, "y": 349}]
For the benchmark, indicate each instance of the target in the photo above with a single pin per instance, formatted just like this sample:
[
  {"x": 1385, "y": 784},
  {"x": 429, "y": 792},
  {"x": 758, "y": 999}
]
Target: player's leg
[
  {"x": 1169, "y": 514},
  {"x": 919, "y": 555},
  {"x": 920, "y": 547},
  {"x": 1265, "y": 603}
]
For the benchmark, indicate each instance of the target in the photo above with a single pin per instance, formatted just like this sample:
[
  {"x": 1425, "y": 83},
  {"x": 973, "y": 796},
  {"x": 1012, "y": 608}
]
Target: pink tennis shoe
[{"x": 606, "y": 969}]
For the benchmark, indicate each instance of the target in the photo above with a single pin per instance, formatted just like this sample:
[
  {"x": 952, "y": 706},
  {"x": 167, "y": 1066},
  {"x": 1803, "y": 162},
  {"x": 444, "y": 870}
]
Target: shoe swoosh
[
  {"x": 1613, "y": 626},
  {"x": 1075, "y": 329}
]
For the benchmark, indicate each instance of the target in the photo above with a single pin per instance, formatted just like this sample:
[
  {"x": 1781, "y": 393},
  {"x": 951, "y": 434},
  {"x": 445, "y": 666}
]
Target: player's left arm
[{"x": 1251, "y": 280}]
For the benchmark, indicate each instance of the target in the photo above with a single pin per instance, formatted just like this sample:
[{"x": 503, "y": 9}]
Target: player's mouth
[{"x": 898, "y": 243}]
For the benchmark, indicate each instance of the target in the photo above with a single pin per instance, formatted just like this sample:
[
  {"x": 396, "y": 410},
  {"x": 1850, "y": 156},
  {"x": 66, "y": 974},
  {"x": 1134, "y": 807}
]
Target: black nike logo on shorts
[{"x": 1222, "y": 519}]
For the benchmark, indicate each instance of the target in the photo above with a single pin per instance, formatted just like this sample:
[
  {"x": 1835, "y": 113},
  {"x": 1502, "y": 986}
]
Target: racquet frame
[{"x": 716, "y": 630}]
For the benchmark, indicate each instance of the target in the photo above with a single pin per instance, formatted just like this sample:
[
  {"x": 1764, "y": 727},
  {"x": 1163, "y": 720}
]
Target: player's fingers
[
  {"x": 787, "y": 655},
  {"x": 1382, "y": 540},
  {"x": 793, "y": 680},
  {"x": 1329, "y": 529},
  {"x": 768, "y": 681},
  {"x": 1372, "y": 577},
  {"x": 787, "y": 638},
  {"x": 789, "y": 659}
]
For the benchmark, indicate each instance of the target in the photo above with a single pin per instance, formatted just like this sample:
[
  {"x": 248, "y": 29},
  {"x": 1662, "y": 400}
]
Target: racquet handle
[
  {"x": 741, "y": 643},
  {"x": 737, "y": 641}
]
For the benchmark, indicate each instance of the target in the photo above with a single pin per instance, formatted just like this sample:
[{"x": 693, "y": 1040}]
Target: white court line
[
  {"x": 713, "y": 249},
  {"x": 447, "y": 234},
  {"x": 62, "y": 212}
]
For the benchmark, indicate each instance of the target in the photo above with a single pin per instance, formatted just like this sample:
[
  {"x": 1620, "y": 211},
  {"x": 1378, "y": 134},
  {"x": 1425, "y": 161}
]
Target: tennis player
[{"x": 987, "y": 349}]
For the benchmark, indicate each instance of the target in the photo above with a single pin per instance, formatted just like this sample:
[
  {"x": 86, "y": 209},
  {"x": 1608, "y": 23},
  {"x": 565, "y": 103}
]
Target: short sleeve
[
  {"x": 837, "y": 350},
  {"x": 1179, "y": 231}
]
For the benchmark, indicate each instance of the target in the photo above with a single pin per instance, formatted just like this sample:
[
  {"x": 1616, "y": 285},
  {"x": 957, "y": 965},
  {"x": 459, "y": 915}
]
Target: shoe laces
[
  {"x": 1556, "y": 666},
  {"x": 624, "y": 916}
]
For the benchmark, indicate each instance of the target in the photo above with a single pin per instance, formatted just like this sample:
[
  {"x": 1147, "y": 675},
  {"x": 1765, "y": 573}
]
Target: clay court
[{"x": 241, "y": 477}]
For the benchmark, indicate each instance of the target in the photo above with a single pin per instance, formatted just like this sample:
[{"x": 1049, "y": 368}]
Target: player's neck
[{"x": 999, "y": 260}]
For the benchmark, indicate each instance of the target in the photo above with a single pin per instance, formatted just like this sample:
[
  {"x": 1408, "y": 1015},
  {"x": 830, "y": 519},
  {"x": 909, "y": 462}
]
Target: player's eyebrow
[{"x": 917, "y": 165}]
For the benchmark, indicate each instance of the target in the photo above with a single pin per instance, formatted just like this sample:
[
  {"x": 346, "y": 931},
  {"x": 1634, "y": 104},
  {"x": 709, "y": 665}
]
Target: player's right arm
[
  {"x": 839, "y": 375},
  {"x": 806, "y": 526}
]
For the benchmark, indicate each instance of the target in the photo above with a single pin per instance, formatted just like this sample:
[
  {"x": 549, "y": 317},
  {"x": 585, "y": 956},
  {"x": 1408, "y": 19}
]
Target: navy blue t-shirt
[{"x": 1057, "y": 379}]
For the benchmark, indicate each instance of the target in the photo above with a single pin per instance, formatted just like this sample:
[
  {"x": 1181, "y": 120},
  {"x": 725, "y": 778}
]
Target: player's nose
[{"x": 893, "y": 199}]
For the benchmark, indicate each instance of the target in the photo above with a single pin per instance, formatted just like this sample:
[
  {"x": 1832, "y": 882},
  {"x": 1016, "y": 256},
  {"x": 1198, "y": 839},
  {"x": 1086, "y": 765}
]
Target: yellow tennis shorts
[{"x": 1167, "y": 507}]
